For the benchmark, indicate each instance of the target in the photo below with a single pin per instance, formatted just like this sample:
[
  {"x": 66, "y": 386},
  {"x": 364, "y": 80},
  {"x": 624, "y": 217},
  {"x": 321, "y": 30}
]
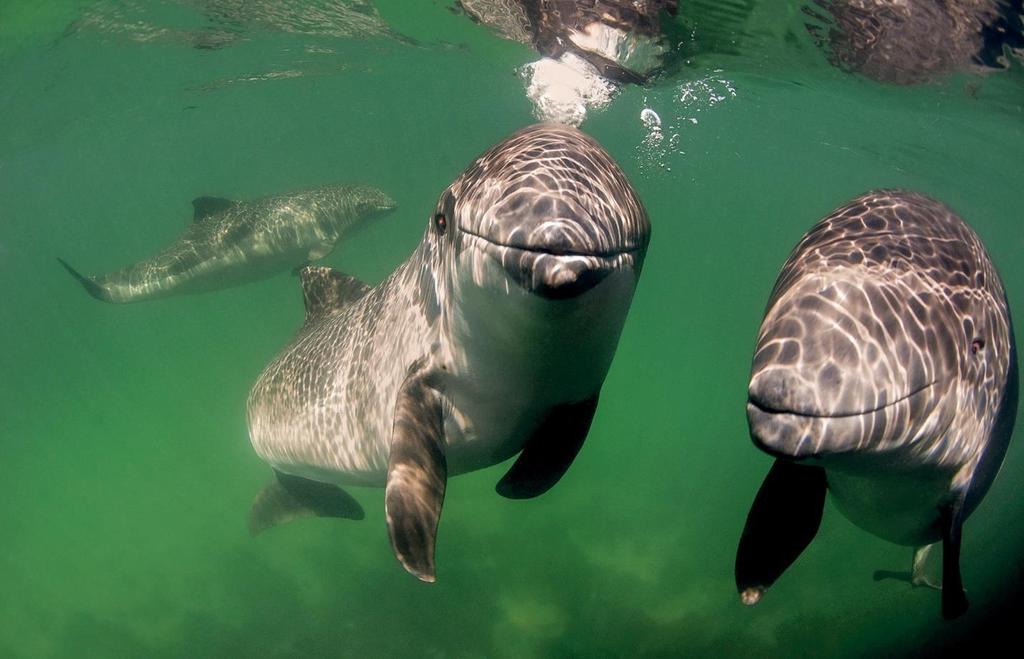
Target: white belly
[
  {"x": 523, "y": 356},
  {"x": 898, "y": 506},
  {"x": 503, "y": 358}
]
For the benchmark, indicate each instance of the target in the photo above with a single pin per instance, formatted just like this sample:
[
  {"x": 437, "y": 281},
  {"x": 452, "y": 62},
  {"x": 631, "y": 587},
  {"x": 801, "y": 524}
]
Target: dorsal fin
[
  {"x": 325, "y": 290},
  {"x": 204, "y": 207}
]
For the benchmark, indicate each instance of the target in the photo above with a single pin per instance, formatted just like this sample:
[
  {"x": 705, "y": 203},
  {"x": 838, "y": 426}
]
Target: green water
[{"x": 126, "y": 466}]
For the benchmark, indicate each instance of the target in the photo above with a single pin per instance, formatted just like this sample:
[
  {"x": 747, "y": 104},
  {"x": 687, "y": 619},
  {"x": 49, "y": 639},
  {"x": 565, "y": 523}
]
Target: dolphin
[
  {"x": 588, "y": 49},
  {"x": 885, "y": 373},
  {"x": 621, "y": 39},
  {"x": 493, "y": 338},
  {"x": 907, "y": 42},
  {"x": 230, "y": 22},
  {"x": 234, "y": 242}
]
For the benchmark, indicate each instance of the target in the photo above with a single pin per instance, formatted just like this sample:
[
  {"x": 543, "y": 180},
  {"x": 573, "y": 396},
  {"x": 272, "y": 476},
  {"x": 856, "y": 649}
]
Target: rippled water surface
[{"x": 127, "y": 468}]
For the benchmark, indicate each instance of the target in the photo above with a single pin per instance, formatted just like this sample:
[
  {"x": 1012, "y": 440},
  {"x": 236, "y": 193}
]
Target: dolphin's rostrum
[
  {"x": 493, "y": 338},
  {"x": 234, "y": 242},
  {"x": 885, "y": 372}
]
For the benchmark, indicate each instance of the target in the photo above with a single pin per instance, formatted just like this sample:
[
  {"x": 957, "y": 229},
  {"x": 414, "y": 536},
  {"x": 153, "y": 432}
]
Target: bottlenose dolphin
[
  {"x": 886, "y": 373},
  {"x": 234, "y": 242},
  {"x": 588, "y": 48},
  {"x": 621, "y": 39},
  {"x": 913, "y": 41},
  {"x": 229, "y": 22},
  {"x": 493, "y": 338}
]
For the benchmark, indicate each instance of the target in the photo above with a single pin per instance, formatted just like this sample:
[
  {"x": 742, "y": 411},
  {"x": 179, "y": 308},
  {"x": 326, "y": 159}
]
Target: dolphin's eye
[
  {"x": 977, "y": 345},
  {"x": 440, "y": 223}
]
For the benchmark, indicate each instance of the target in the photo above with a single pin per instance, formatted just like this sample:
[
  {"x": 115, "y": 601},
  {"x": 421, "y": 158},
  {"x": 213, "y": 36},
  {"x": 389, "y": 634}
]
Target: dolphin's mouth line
[
  {"x": 554, "y": 252},
  {"x": 770, "y": 410}
]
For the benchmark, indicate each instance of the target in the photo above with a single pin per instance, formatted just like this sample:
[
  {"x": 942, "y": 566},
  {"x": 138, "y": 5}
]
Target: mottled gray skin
[
  {"x": 512, "y": 304},
  {"x": 628, "y": 30},
  {"x": 912, "y": 41},
  {"x": 243, "y": 241},
  {"x": 886, "y": 357},
  {"x": 231, "y": 21}
]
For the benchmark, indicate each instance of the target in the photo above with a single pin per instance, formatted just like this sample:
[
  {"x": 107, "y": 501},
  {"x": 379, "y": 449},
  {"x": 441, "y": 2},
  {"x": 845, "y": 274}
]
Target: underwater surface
[{"x": 128, "y": 471}]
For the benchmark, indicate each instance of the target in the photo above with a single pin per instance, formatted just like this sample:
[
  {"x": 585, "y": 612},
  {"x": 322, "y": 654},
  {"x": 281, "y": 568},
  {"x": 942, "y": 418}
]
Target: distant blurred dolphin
[
  {"x": 621, "y": 39},
  {"x": 913, "y": 41},
  {"x": 588, "y": 49},
  {"x": 234, "y": 242}
]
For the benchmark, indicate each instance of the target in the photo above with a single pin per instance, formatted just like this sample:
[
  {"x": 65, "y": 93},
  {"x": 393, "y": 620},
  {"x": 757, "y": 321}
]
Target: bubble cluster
[{"x": 664, "y": 136}]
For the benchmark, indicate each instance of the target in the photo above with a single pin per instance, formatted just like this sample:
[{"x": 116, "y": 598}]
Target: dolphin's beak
[
  {"x": 385, "y": 205},
  {"x": 565, "y": 283},
  {"x": 561, "y": 276},
  {"x": 556, "y": 277}
]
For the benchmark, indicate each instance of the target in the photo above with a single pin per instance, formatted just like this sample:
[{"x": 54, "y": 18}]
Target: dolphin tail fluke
[
  {"x": 895, "y": 575},
  {"x": 291, "y": 497},
  {"x": 918, "y": 575},
  {"x": 90, "y": 285},
  {"x": 918, "y": 572}
]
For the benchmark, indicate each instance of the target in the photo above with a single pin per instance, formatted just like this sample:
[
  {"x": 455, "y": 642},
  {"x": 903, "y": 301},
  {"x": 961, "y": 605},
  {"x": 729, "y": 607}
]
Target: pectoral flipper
[
  {"x": 546, "y": 456},
  {"x": 290, "y": 497},
  {"x": 782, "y": 521},
  {"x": 417, "y": 475}
]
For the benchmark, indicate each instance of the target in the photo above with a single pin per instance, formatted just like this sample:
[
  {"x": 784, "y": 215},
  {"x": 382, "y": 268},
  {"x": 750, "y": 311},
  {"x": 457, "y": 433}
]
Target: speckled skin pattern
[
  {"x": 513, "y": 302},
  {"x": 886, "y": 356},
  {"x": 248, "y": 241}
]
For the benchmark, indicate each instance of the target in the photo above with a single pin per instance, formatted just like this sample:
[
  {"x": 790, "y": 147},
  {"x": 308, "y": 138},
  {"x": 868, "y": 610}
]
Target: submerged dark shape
[
  {"x": 621, "y": 38},
  {"x": 234, "y": 242},
  {"x": 232, "y": 21},
  {"x": 885, "y": 373},
  {"x": 493, "y": 338},
  {"x": 912, "y": 41},
  {"x": 588, "y": 48}
]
